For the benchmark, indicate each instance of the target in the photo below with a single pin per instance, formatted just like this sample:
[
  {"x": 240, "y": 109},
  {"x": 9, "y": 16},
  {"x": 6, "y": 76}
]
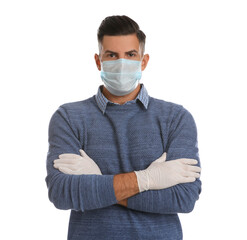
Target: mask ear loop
[
  {"x": 100, "y": 50},
  {"x": 141, "y": 61},
  {"x": 142, "y": 54},
  {"x": 101, "y": 64}
]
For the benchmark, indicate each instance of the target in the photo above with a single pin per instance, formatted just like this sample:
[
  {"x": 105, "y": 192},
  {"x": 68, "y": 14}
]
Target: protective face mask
[{"x": 121, "y": 76}]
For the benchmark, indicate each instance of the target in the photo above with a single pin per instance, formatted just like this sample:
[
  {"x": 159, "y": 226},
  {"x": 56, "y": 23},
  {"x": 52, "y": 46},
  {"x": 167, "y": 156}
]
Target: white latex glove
[
  {"x": 77, "y": 165},
  {"x": 161, "y": 174}
]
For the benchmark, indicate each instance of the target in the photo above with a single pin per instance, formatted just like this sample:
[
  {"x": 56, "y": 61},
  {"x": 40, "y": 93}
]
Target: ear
[
  {"x": 97, "y": 61},
  {"x": 145, "y": 61}
]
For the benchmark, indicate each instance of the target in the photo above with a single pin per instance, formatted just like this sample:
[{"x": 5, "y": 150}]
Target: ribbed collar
[{"x": 102, "y": 101}]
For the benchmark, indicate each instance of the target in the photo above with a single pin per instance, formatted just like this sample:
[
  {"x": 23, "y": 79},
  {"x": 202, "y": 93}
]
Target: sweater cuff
[
  {"x": 139, "y": 202},
  {"x": 102, "y": 193}
]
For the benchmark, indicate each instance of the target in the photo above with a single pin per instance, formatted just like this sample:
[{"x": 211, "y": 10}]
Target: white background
[{"x": 198, "y": 58}]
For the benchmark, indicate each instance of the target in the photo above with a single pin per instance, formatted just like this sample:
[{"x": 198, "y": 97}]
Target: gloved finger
[
  {"x": 191, "y": 174},
  {"x": 69, "y": 155},
  {"x": 192, "y": 168},
  {"x": 162, "y": 158},
  {"x": 188, "y": 179},
  {"x": 83, "y": 154},
  {"x": 189, "y": 161},
  {"x": 70, "y": 166},
  {"x": 67, "y": 160},
  {"x": 66, "y": 170},
  {"x": 78, "y": 172}
]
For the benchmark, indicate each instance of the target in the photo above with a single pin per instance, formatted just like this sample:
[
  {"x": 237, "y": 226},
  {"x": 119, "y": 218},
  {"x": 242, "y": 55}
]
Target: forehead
[{"x": 121, "y": 43}]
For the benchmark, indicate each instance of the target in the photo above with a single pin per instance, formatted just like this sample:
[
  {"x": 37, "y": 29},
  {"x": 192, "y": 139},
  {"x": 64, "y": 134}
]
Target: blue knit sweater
[{"x": 121, "y": 139}]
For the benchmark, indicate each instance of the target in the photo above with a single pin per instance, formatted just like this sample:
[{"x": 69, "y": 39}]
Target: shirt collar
[{"x": 102, "y": 101}]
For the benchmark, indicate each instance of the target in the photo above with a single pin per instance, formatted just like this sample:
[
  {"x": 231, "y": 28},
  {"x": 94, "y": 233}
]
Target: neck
[{"x": 121, "y": 99}]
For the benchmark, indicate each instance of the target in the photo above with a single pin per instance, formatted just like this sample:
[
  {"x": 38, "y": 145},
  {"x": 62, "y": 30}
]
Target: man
[{"x": 123, "y": 162}]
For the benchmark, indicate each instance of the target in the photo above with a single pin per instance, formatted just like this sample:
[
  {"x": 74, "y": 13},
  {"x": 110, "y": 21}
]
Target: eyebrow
[
  {"x": 131, "y": 51},
  {"x": 108, "y": 51}
]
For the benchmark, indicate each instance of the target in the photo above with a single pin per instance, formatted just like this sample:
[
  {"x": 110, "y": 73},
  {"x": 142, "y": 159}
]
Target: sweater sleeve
[
  {"x": 181, "y": 198},
  {"x": 77, "y": 192}
]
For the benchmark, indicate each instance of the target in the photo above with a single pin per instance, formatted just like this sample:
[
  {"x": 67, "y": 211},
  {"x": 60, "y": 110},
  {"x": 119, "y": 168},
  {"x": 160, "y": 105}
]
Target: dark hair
[{"x": 120, "y": 25}]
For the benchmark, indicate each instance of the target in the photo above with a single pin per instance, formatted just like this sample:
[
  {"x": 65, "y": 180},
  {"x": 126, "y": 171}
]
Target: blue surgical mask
[{"x": 121, "y": 76}]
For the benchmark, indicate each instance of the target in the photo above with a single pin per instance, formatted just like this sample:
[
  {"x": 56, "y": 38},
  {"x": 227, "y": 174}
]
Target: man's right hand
[
  {"x": 161, "y": 174},
  {"x": 76, "y": 165}
]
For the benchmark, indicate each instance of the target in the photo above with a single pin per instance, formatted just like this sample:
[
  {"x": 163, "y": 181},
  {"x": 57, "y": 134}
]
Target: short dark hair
[{"x": 120, "y": 25}]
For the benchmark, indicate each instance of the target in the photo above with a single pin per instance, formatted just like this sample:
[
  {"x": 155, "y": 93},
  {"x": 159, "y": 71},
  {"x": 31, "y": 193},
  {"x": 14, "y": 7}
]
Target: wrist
[
  {"x": 143, "y": 180},
  {"x": 125, "y": 185},
  {"x": 123, "y": 202}
]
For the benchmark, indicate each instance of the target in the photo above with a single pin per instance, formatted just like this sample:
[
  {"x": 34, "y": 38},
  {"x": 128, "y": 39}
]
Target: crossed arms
[
  {"x": 159, "y": 175},
  {"x": 91, "y": 191}
]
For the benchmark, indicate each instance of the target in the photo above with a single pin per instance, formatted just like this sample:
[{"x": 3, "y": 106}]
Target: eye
[
  {"x": 131, "y": 54},
  {"x": 111, "y": 55}
]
